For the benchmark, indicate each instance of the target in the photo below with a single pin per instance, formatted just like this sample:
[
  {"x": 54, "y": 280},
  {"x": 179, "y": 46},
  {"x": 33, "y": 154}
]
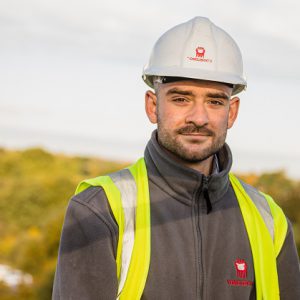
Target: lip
[
  {"x": 195, "y": 137},
  {"x": 195, "y": 134}
]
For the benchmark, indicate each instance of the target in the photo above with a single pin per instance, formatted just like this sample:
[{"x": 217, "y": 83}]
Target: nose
[{"x": 197, "y": 115}]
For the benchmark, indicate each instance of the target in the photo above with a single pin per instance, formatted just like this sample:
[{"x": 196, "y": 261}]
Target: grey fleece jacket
[{"x": 197, "y": 239}]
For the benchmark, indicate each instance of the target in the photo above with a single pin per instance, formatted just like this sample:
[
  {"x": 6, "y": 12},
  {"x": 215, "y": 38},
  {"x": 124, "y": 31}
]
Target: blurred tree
[{"x": 35, "y": 187}]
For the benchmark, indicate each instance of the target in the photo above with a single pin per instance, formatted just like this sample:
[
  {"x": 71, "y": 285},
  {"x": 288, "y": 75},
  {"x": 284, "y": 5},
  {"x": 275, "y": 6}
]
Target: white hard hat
[{"x": 197, "y": 49}]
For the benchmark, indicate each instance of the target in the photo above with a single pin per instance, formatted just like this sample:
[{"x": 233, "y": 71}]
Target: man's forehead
[{"x": 194, "y": 86}]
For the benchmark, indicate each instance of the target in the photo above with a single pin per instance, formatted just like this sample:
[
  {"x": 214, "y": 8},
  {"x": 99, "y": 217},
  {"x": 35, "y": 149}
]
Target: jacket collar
[{"x": 181, "y": 182}]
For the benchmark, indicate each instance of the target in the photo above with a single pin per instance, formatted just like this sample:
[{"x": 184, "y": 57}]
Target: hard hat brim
[{"x": 239, "y": 83}]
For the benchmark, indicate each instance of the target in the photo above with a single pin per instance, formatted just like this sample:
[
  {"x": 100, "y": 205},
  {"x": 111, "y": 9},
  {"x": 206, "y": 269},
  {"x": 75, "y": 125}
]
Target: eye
[
  {"x": 179, "y": 100},
  {"x": 216, "y": 102}
]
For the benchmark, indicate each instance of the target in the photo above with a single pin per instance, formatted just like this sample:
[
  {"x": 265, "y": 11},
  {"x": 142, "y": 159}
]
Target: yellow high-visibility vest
[{"x": 127, "y": 192}]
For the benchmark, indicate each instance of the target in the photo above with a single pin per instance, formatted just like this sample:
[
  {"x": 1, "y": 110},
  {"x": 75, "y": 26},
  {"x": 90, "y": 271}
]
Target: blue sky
[{"x": 71, "y": 75}]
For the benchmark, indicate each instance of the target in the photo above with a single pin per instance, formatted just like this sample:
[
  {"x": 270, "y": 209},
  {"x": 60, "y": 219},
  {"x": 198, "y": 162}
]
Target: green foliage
[{"x": 35, "y": 187}]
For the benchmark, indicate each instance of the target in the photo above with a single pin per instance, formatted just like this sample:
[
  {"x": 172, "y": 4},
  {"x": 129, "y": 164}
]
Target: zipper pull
[{"x": 206, "y": 194}]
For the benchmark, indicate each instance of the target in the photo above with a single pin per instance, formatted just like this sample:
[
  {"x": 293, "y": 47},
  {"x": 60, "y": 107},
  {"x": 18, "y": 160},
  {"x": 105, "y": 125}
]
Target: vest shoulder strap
[
  {"x": 124, "y": 181},
  {"x": 280, "y": 224},
  {"x": 262, "y": 206},
  {"x": 263, "y": 246},
  {"x": 127, "y": 192},
  {"x": 271, "y": 213}
]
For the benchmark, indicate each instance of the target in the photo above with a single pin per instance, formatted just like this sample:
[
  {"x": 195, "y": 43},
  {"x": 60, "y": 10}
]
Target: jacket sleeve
[
  {"x": 288, "y": 268},
  {"x": 86, "y": 267}
]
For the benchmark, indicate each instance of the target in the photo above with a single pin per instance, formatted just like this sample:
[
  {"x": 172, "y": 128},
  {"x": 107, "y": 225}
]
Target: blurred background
[{"x": 72, "y": 106}]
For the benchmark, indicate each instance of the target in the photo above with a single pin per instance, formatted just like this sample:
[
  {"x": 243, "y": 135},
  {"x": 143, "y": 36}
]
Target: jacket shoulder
[{"x": 94, "y": 199}]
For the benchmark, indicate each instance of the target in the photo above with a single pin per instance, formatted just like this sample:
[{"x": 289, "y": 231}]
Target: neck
[{"x": 204, "y": 166}]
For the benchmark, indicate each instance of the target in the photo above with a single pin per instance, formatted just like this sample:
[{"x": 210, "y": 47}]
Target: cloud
[{"x": 125, "y": 31}]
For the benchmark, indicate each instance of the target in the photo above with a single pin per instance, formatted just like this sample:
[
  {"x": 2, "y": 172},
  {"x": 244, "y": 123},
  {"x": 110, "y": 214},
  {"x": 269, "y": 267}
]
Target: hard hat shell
[{"x": 197, "y": 49}]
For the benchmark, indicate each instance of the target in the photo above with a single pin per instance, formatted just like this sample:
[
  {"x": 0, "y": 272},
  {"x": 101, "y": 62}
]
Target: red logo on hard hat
[
  {"x": 241, "y": 268},
  {"x": 200, "y": 55},
  {"x": 200, "y": 52}
]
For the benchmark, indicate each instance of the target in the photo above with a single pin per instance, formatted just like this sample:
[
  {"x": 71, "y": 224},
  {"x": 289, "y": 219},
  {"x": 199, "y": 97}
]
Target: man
[{"x": 177, "y": 225}]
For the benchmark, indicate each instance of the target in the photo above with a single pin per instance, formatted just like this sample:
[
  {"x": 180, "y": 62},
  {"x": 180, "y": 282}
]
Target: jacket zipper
[
  {"x": 206, "y": 194},
  {"x": 198, "y": 197}
]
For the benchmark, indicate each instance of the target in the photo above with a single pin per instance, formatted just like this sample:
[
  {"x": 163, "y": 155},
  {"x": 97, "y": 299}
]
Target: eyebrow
[
  {"x": 218, "y": 95},
  {"x": 180, "y": 92}
]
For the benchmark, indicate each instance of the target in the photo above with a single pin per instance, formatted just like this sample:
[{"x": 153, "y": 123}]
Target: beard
[{"x": 183, "y": 149}]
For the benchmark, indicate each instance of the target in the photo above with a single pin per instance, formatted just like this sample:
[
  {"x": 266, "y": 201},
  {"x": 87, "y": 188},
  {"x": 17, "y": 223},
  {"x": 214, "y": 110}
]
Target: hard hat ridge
[{"x": 197, "y": 49}]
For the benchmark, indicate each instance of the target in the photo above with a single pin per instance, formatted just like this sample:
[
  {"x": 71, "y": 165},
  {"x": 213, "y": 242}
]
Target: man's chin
[
  {"x": 194, "y": 156},
  {"x": 197, "y": 152}
]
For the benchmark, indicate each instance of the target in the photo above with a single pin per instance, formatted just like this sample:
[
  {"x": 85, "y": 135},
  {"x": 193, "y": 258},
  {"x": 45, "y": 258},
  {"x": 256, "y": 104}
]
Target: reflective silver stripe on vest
[
  {"x": 262, "y": 205},
  {"x": 127, "y": 187}
]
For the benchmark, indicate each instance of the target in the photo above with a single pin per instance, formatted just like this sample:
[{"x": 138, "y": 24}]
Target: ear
[
  {"x": 151, "y": 106},
  {"x": 233, "y": 111}
]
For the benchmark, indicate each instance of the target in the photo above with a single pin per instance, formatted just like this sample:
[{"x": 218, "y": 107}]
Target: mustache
[{"x": 195, "y": 129}]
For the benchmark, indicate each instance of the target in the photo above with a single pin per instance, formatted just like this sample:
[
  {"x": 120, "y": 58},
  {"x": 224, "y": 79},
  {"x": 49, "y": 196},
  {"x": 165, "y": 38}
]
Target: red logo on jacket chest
[{"x": 241, "y": 270}]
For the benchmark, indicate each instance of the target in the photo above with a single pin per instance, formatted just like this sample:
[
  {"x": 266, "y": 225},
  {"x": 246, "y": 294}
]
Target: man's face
[{"x": 192, "y": 117}]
